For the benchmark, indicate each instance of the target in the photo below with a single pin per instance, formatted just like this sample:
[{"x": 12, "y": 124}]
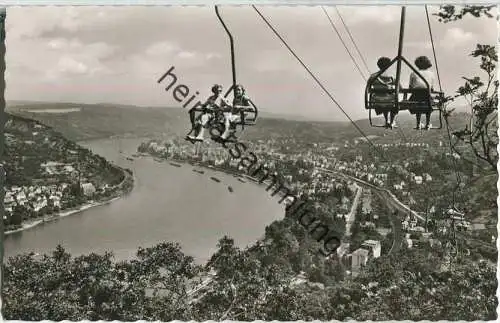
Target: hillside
[
  {"x": 46, "y": 173},
  {"x": 89, "y": 121}
]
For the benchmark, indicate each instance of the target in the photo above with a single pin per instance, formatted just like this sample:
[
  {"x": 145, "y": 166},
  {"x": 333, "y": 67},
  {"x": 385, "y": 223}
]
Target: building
[
  {"x": 342, "y": 249},
  {"x": 373, "y": 246},
  {"x": 358, "y": 259},
  {"x": 88, "y": 189}
]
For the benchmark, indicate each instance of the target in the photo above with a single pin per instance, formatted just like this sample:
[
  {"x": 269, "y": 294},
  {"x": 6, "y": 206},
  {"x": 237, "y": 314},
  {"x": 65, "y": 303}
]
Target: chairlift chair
[
  {"x": 435, "y": 102},
  {"x": 248, "y": 116}
]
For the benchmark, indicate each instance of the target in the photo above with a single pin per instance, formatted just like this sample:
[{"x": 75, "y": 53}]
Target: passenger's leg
[
  {"x": 192, "y": 119},
  {"x": 419, "y": 116},
  {"x": 386, "y": 115},
  {"x": 227, "y": 125},
  {"x": 393, "y": 115},
  {"x": 428, "y": 120},
  {"x": 203, "y": 122}
]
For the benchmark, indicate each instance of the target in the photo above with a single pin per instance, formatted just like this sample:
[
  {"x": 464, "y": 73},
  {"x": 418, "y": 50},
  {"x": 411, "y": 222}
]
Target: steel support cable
[
  {"x": 433, "y": 48},
  {"x": 318, "y": 81},
  {"x": 459, "y": 180},
  {"x": 345, "y": 45},
  {"x": 352, "y": 39}
]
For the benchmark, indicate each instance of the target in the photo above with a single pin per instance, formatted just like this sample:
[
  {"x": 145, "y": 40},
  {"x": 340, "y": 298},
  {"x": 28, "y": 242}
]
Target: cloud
[
  {"x": 37, "y": 21},
  {"x": 187, "y": 55},
  {"x": 419, "y": 45},
  {"x": 211, "y": 56},
  {"x": 57, "y": 59},
  {"x": 158, "y": 53},
  {"x": 456, "y": 37},
  {"x": 162, "y": 48},
  {"x": 370, "y": 14},
  {"x": 70, "y": 65}
]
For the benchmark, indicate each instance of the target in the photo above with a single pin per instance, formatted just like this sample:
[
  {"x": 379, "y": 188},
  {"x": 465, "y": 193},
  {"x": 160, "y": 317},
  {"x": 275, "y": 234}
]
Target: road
[
  {"x": 352, "y": 214},
  {"x": 393, "y": 203}
]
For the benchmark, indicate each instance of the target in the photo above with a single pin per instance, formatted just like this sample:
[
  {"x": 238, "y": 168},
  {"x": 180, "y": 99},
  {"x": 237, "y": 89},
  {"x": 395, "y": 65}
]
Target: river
[{"x": 167, "y": 203}]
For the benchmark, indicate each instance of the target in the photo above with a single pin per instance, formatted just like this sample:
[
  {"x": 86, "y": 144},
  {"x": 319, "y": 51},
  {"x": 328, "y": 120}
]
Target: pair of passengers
[
  {"x": 385, "y": 101},
  {"x": 218, "y": 104}
]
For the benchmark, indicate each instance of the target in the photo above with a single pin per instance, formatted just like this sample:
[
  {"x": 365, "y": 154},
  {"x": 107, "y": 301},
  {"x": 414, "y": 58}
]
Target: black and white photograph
[{"x": 249, "y": 162}]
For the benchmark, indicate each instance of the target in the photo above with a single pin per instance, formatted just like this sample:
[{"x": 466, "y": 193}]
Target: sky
[{"x": 117, "y": 54}]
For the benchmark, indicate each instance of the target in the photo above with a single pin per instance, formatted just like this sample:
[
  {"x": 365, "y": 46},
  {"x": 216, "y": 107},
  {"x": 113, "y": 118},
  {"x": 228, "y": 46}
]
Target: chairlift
[
  {"x": 248, "y": 116},
  {"x": 435, "y": 100}
]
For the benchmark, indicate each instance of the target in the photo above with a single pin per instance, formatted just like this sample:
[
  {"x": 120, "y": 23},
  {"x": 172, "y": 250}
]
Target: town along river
[{"x": 167, "y": 203}]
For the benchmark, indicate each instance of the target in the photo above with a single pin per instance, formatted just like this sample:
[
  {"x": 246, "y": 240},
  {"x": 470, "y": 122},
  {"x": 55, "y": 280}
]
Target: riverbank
[{"x": 125, "y": 189}]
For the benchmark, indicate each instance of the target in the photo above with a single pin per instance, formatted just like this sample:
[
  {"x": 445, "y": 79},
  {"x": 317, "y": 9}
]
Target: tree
[
  {"x": 94, "y": 287},
  {"x": 17, "y": 215},
  {"x": 450, "y": 13},
  {"x": 480, "y": 134},
  {"x": 242, "y": 285},
  {"x": 75, "y": 189}
]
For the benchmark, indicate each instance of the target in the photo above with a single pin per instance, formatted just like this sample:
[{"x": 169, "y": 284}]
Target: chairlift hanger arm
[
  {"x": 400, "y": 55},
  {"x": 231, "y": 41}
]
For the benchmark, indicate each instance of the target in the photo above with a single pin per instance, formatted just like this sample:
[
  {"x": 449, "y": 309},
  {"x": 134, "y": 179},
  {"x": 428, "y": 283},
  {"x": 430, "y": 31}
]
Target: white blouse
[{"x": 417, "y": 82}]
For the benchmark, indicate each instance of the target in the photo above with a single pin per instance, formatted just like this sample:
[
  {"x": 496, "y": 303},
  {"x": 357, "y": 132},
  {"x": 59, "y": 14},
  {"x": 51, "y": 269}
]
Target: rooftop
[
  {"x": 361, "y": 252},
  {"x": 371, "y": 242}
]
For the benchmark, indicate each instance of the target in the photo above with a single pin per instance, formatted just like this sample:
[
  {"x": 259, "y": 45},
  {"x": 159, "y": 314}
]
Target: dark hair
[
  {"x": 383, "y": 62},
  {"x": 215, "y": 87},
  {"x": 241, "y": 87},
  {"x": 423, "y": 62}
]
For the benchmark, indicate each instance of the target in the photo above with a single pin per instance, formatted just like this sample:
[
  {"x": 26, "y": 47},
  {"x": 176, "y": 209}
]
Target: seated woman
[
  {"x": 237, "y": 112},
  {"x": 384, "y": 102},
  {"x": 209, "y": 109},
  {"x": 242, "y": 103},
  {"x": 423, "y": 64}
]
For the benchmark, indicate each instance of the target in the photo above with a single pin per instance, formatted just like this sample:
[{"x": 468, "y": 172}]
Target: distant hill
[
  {"x": 263, "y": 114},
  {"x": 91, "y": 121},
  {"x": 13, "y": 103}
]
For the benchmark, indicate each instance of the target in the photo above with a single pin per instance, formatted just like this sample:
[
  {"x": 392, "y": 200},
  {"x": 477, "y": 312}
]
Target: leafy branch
[
  {"x": 449, "y": 13},
  {"x": 481, "y": 94}
]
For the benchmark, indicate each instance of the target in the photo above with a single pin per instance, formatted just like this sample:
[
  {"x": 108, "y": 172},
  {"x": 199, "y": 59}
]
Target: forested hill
[{"x": 44, "y": 171}]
